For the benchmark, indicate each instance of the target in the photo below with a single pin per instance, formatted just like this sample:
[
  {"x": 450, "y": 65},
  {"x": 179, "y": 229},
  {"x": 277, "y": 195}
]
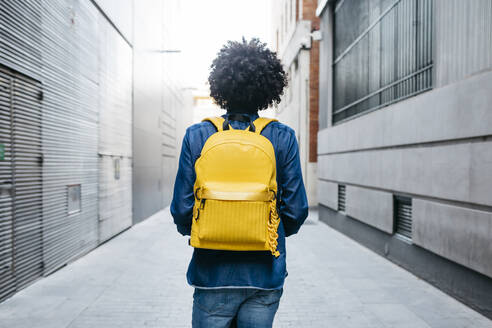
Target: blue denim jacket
[{"x": 255, "y": 269}]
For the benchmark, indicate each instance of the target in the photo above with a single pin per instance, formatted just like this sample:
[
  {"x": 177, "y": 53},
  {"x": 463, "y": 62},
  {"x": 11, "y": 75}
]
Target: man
[{"x": 243, "y": 287}]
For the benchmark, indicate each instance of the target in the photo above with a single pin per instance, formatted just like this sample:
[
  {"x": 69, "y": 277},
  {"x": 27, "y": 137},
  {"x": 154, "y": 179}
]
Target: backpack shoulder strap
[
  {"x": 217, "y": 121},
  {"x": 261, "y": 122}
]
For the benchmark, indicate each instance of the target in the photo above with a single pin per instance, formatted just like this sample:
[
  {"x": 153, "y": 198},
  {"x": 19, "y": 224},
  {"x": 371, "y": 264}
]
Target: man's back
[
  {"x": 212, "y": 268},
  {"x": 241, "y": 286}
]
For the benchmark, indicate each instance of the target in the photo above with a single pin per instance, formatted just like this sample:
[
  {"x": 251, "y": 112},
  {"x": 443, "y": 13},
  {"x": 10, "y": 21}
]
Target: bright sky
[{"x": 210, "y": 23}]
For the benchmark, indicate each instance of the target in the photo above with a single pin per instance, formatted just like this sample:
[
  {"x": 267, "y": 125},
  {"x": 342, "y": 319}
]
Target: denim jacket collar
[{"x": 252, "y": 116}]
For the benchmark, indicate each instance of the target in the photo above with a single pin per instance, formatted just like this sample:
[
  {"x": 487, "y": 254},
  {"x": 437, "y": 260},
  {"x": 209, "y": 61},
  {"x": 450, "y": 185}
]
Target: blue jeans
[{"x": 226, "y": 307}]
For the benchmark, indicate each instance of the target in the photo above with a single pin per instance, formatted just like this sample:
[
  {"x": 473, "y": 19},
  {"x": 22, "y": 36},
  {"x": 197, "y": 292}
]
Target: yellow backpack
[{"x": 235, "y": 190}]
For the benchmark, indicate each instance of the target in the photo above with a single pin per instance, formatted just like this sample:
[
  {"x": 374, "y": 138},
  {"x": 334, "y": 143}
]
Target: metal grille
[
  {"x": 403, "y": 216},
  {"x": 341, "y": 198},
  {"x": 27, "y": 166},
  {"x": 57, "y": 42},
  {"x": 21, "y": 198},
  {"x": 383, "y": 54},
  {"x": 7, "y": 277}
]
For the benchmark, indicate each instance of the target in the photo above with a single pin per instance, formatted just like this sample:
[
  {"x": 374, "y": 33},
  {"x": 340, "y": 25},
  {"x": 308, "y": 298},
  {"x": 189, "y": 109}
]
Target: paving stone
[{"x": 138, "y": 280}]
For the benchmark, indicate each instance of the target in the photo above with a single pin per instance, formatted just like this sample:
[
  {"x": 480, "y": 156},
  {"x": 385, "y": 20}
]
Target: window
[
  {"x": 382, "y": 53},
  {"x": 403, "y": 216}
]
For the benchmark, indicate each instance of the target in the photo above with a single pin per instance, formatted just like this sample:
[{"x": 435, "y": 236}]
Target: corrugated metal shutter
[
  {"x": 21, "y": 194},
  {"x": 403, "y": 216},
  {"x": 7, "y": 277},
  {"x": 20, "y": 36},
  {"x": 56, "y": 42},
  {"x": 27, "y": 163},
  {"x": 70, "y": 128},
  {"x": 341, "y": 198}
]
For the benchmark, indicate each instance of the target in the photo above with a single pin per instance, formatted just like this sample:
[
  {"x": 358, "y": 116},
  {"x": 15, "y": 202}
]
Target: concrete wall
[
  {"x": 370, "y": 206},
  {"x": 159, "y": 98},
  {"x": 328, "y": 194},
  {"x": 435, "y": 147},
  {"x": 293, "y": 22},
  {"x": 458, "y": 233},
  {"x": 115, "y": 131}
]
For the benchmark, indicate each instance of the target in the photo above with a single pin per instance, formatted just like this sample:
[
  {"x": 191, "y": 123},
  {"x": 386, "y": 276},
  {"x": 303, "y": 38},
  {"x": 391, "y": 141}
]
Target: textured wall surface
[
  {"x": 461, "y": 172},
  {"x": 56, "y": 43},
  {"x": 115, "y": 131},
  {"x": 328, "y": 194},
  {"x": 158, "y": 100},
  {"x": 460, "y": 234},
  {"x": 463, "y": 34},
  {"x": 434, "y": 147},
  {"x": 68, "y": 67},
  {"x": 372, "y": 206}
]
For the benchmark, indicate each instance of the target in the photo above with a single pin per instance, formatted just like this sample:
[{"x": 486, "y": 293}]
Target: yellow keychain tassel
[{"x": 272, "y": 229}]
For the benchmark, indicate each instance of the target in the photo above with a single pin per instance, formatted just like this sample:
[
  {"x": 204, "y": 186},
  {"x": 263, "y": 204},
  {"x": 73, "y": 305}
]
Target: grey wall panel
[
  {"x": 158, "y": 99},
  {"x": 115, "y": 92},
  {"x": 120, "y": 12},
  {"x": 27, "y": 179},
  {"x": 70, "y": 134},
  {"x": 463, "y": 34},
  {"x": 460, "y": 110},
  {"x": 460, "y": 172},
  {"x": 147, "y": 134},
  {"x": 328, "y": 194},
  {"x": 371, "y": 207},
  {"x": 148, "y": 104},
  {"x": 115, "y": 131},
  {"x": 145, "y": 188},
  {"x": 460, "y": 234},
  {"x": 20, "y": 36},
  {"x": 115, "y": 196},
  {"x": 7, "y": 275},
  {"x": 62, "y": 34}
]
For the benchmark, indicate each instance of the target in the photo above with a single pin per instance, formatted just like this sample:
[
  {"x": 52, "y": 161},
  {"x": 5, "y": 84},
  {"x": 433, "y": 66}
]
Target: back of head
[{"x": 246, "y": 77}]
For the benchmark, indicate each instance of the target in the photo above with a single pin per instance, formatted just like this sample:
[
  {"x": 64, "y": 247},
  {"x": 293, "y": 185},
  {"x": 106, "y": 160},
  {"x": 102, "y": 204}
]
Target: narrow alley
[{"x": 137, "y": 279}]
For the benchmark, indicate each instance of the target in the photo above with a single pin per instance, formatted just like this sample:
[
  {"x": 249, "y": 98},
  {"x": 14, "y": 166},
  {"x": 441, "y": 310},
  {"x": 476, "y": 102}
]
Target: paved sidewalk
[{"x": 138, "y": 280}]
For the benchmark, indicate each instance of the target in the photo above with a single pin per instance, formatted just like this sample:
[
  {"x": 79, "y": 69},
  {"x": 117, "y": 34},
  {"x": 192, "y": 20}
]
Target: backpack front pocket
[{"x": 234, "y": 222}]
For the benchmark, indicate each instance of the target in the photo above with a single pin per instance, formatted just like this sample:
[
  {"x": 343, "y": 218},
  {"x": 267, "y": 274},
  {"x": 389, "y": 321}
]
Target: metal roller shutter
[
  {"x": 27, "y": 179},
  {"x": 56, "y": 42},
  {"x": 7, "y": 277},
  {"x": 21, "y": 252}
]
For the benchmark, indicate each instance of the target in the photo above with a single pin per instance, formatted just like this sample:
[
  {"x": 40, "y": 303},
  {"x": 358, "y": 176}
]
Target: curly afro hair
[{"x": 246, "y": 77}]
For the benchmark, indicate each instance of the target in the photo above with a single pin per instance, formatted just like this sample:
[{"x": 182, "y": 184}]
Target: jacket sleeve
[
  {"x": 293, "y": 207},
  {"x": 183, "y": 199}
]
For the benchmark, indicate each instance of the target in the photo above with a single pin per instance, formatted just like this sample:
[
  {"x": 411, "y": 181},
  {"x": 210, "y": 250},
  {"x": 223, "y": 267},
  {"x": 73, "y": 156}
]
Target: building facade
[
  {"x": 405, "y": 140},
  {"x": 76, "y": 90},
  {"x": 294, "y": 22}
]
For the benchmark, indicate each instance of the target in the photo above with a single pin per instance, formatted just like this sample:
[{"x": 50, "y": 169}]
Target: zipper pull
[{"x": 200, "y": 208}]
